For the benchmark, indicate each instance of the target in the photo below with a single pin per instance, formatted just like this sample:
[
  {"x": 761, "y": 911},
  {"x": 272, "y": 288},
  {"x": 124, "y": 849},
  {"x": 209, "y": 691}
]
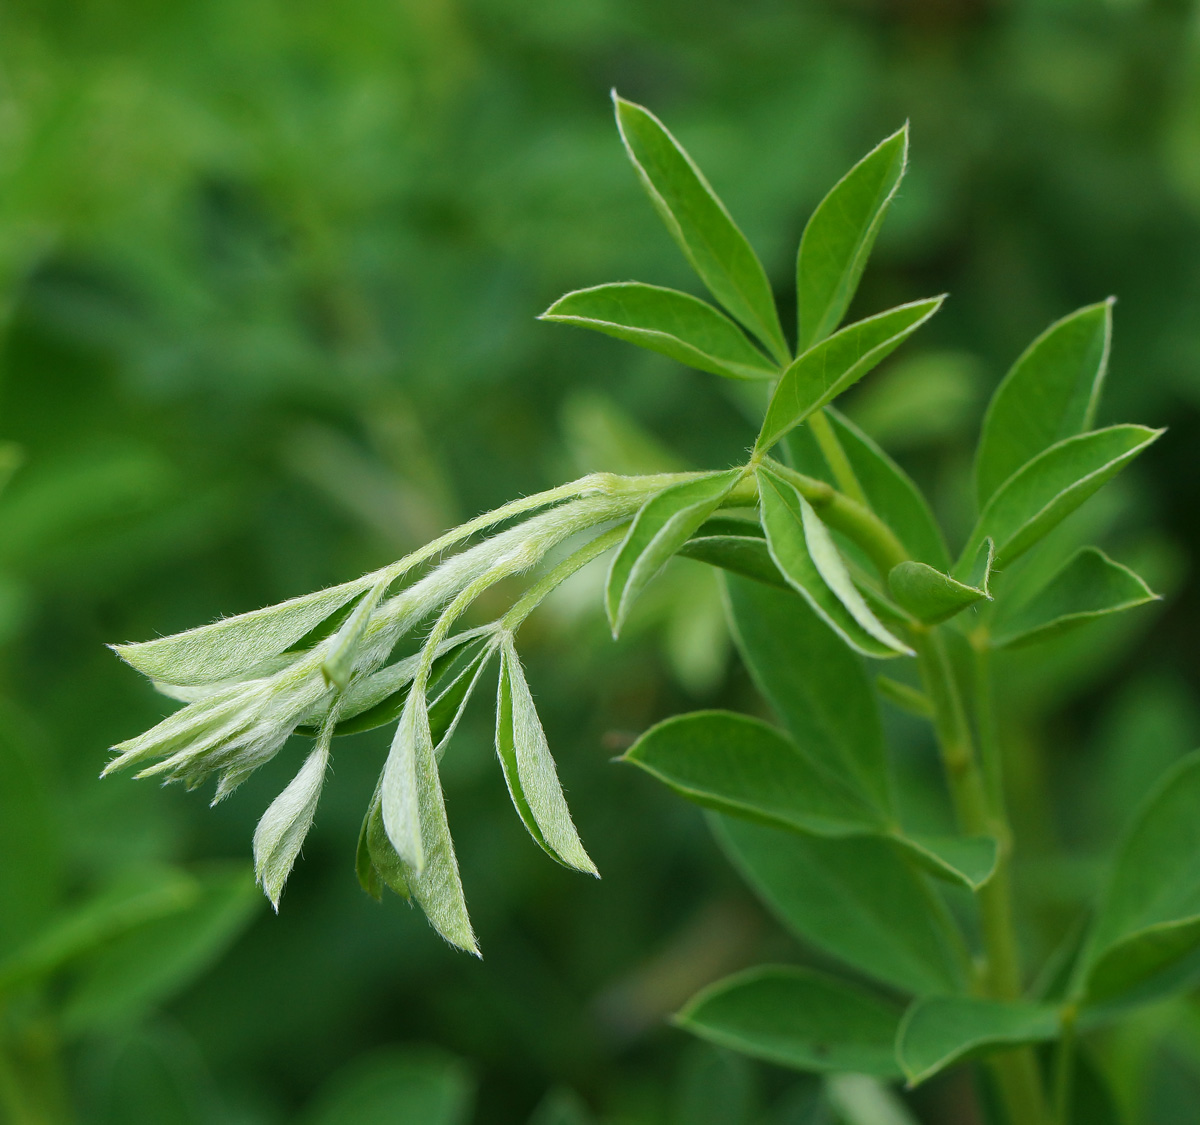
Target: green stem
[
  {"x": 1064, "y": 1067},
  {"x": 835, "y": 457}
]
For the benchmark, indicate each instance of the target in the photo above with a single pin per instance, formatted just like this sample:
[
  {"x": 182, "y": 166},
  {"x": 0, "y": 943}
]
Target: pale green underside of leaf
[
  {"x": 666, "y": 321},
  {"x": 665, "y": 522},
  {"x": 283, "y": 827},
  {"x": 838, "y": 238},
  {"x": 743, "y": 767},
  {"x": 1089, "y": 586},
  {"x": 798, "y": 1018},
  {"x": 928, "y": 594},
  {"x": 815, "y": 683},
  {"x": 823, "y": 372},
  {"x": 1050, "y": 394},
  {"x": 856, "y": 900},
  {"x": 700, "y": 224},
  {"x": 1149, "y": 918},
  {"x": 529, "y": 769},
  {"x": 1050, "y": 487},
  {"x": 806, "y": 555},
  {"x": 939, "y": 1031}
]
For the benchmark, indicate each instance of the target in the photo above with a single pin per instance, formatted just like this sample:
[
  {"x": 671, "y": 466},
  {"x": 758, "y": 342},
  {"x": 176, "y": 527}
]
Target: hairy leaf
[
  {"x": 666, "y": 321},
  {"x": 928, "y": 594},
  {"x": 799, "y": 1018}
]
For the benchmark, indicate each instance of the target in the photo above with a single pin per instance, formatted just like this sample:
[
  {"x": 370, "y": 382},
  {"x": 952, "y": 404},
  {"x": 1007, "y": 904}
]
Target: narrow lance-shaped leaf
[
  {"x": 665, "y": 522},
  {"x": 1050, "y": 393},
  {"x": 939, "y": 1031},
  {"x": 746, "y": 555},
  {"x": 666, "y": 321},
  {"x": 529, "y": 767},
  {"x": 400, "y": 799},
  {"x": 700, "y": 224},
  {"x": 823, "y": 372},
  {"x": 1049, "y": 488},
  {"x": 928, "y": 594},
  {"x": 807, "y": 557},
  {"x": 799, "y": 1018},
  {"x": 281, "y": 831},
  {"x": 838, "y": 238},
  {"x": 1090, "y": 585},
  {"x": 339, "y": 663}
]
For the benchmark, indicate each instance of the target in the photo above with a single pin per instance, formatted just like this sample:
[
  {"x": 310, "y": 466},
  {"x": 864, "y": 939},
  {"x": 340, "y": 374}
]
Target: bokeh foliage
[{"x": 268, "y": 279}]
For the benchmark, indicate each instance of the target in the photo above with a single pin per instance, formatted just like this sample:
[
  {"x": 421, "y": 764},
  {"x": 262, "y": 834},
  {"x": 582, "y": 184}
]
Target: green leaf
[
  {"x": 397, "y": 1086},
  {"x": 387, "y": 865},
  {"x": 665, "y": 522},
  {"x": 700, "y": 224},
  {"x": 1149, "y": 917},
  {"x": 816, "y": 685},
  {"x": 364, "y": 866},
  {"x": 907, "y": 698},
  {"x": 806, "y": 555},
  {"x": 939, "y": 1031},
  {"x": 747, "y": 555},
  {"x": 928, "y": 594},
  {"x": 1090, "y": 585},
  {"x": 820, "y": 374},
  {"x": 969, "y": 860},
  {"x": 666, "y": 321},
  {"x": 142, "y": 969},
  {"x": 856, "y": 900},
  {"x": 859, "y": 1099},
  {"x": 838, "y": 238},
  {"x": 1050, "y": 487},
  {"x": 529, "y": 769},
  {"x": 742, "y": 766},
  {"x": 238, "y": 645},
  {"x": 561, "y": 1106},
  {"x": 1050, "y": 394},
  {"x": 798, "y": 1018}
]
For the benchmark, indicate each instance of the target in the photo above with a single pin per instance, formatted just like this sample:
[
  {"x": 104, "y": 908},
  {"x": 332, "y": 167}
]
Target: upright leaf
[
  {"x": 529, "y": 768},
  {"x": 666, "y": 521},
  {"x": 838, "y": 238},
  {"x": 815, "y": 683},
  {"x": 1090, "y": 585},
  {"x": 1050, "y": 487},
  {"x": 700, "y": 224},
  {"x": 1050, "y": 394},
  {"x": 823, "y": 372},
  {"x": 666, "y": 321},
  {"x": 798, "y": 1018},
  {"x": 806, "y": 555},
  {"x": 1149, "y": 918},
  {"x": 855, "y": 900},
  {"x": 939, "y": 1031}
]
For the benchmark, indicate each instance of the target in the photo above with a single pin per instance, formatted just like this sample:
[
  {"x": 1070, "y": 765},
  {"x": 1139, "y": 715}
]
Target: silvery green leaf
[
  {"x": 939, "y": 1031},
  {"x": 666, "y": 321},
  {"x": 401, "y": 791},
  {"x": 339, "y": 659},
  {"x": 529, "y": 768},
  {"x": 387, "y": 865},
  {"x": 238, "y": 645},
  {"x": 447, "y": 708},
  {"x": 281, "y": 831},
  {"x": 806, "y": 555},
  {"x": 928, "y": 594},
  {"x": 700, "y": 224},
  {"x": 1050, "y": 393},
  {"x": 1049, "y": 488},
  {"x": 838, "y": 238},
  {"x": 1088, "y": 586},
  {"x": 665, "y": 522},
  {"x": 820, "y": 374}
]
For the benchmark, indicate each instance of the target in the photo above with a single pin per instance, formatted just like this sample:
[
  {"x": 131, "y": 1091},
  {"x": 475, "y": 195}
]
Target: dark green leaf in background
[{"x": 838, "y": 238}]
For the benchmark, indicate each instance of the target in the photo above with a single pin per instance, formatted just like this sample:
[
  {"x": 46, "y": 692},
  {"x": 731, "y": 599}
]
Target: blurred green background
[{"x": 269, "y": 274}]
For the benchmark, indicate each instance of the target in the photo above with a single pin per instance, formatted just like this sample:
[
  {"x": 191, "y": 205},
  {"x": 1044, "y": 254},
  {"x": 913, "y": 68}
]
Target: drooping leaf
[
  {"x": 665, "y": 522},
  {"x": 820, "y": 374},
  {"x": 666, "y": 321},
  {"x": 529, "y": 769},
  {"x": 928, "y": 594},
  {"x": 700, "y": 224},
  {"x": 1050, "y": 487},
  {"x": 387, "y": 865},
  {"x": 364, "y": 866},
  {"x": 400, "y": 794},
  {"x": 747, "y": 555},
  {"x": 815, "y": 683},
  {"x": 856, "y": 900},
  {"x": 1090, "y": 585},
  {"x": 1050, "y": 394},
  {"x": 799, "y": 1018},
  {"x": 806, "y": 555},
  {"x": 939, "y": 1031},
  {"x": 1149, "y": 918},
  {"x": 448, "y": 706},
  {"x": 838, "y": 238}
]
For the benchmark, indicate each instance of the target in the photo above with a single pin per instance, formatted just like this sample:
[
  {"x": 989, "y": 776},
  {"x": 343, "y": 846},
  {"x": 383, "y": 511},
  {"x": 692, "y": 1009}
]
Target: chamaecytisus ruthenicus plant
[{"x": 831, "y": 558}]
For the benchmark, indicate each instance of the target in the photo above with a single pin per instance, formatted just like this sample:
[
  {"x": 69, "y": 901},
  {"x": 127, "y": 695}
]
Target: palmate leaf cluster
[{"x": 831, "y": 557}]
